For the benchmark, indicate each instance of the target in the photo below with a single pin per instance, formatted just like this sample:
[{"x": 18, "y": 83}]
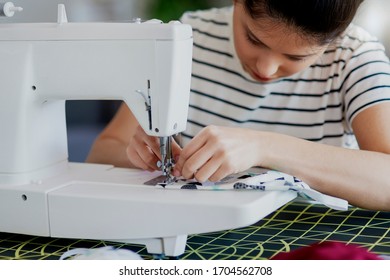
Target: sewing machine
[{"x": 148, "y": 66}]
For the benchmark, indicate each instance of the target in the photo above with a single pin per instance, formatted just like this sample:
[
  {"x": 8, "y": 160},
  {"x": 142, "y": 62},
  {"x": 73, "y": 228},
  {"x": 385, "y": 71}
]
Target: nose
[{"x": 267, "y": 66}]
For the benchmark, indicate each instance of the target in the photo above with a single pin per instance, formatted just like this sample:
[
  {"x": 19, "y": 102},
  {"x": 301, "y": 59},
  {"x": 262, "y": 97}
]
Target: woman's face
[{"x": 270, "y": 50}]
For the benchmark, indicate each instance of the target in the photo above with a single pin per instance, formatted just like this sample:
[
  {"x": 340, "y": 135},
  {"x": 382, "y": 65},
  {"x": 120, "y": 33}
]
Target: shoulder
[
  {"x": 356, "y": 41},
  {"x": 358, "y": 33},
  {"x": 365, "y": 71},
  {"x": 214, "y": 16},
  {"x": 212, "y": 31},
  {"x": 355, "y": 52}
]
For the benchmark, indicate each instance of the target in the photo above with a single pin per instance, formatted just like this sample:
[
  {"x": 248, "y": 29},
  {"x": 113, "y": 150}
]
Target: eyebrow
[{"x": 249, "y": 32}]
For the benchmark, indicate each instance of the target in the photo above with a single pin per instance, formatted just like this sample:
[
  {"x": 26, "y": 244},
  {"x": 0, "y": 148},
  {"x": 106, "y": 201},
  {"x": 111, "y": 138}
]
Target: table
[{"x": 294, "y": 225}]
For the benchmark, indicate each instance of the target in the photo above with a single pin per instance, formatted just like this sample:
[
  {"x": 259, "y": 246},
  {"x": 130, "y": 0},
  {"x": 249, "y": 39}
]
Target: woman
[{"x": 286, "y": 85}]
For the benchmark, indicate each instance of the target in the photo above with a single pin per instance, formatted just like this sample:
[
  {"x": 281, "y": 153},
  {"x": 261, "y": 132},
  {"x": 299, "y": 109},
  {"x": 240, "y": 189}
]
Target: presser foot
[
  {"x": 169, "y": 179},
  {"x": 161, "y": 180}
]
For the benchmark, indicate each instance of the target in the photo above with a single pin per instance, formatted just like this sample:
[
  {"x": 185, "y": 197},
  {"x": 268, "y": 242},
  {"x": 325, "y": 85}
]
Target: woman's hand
[
  {"x": 143, "y": 150},
  {"x": 219, "y": 151}
]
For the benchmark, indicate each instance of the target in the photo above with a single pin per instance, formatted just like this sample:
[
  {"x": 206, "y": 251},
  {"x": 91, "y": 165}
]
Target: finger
[
  {"x": 150, "y": 141},
  {"x": 142, "y": 155},
  {"x": 217, "y": 168},
  {"x": 189, "y": 151},
  {"x": 176, "y": 150},
  {"x": 219, "y": 174},
  {"x": 193, "y": 146},
  {"x": 136, "y": 160},
  {"x": 148, "y": 157},
  {"x": 197, "y": 161},
  {"x": 207, "y": 170}
]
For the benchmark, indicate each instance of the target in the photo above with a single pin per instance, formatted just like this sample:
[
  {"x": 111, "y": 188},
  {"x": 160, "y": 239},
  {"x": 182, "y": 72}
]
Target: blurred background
[{"x": 85, "y": 119}]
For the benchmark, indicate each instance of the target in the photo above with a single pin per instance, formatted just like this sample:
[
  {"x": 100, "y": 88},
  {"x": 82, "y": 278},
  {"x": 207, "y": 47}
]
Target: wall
[
  {"x": 373, "y": 15},
  {"x": 79, "y": 10}
]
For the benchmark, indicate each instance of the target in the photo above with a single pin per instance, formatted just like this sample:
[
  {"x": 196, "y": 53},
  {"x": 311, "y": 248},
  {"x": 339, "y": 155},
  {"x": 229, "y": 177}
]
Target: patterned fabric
[{"x": 266, "y": 180}]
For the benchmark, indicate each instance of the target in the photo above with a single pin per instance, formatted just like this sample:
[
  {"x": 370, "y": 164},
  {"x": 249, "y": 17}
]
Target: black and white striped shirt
[{"x": 317, "y": 104}]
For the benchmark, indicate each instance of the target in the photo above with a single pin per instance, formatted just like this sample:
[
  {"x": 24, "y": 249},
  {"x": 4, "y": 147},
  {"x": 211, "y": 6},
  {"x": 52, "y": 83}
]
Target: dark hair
[{"x": 322, "y": 20}]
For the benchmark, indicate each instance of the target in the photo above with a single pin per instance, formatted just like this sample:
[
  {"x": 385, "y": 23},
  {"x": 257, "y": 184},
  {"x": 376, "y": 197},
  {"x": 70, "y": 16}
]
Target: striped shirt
[{"x": 316, "y": 104}]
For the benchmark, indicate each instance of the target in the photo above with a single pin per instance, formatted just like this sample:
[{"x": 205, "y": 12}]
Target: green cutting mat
[{"x": 295, "y": 225}]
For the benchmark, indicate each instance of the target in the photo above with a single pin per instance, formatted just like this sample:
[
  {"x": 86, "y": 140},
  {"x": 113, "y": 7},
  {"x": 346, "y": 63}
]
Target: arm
[
  {"x": 123, "y": 143},
  {"x": 110, "y": 146},
  {"x": 359, "y": 176}
]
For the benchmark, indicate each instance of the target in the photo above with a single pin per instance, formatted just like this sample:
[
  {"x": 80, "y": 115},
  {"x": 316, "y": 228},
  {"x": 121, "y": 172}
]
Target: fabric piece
[
  {"x": 328, "y": 250},
  {"x": 267, "y": 181},
  {"x": 103, "y": 253}
]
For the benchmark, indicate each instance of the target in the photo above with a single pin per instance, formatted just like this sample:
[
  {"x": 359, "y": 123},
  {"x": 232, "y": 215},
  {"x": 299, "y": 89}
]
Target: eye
[
  {"x": 297, "y": 59},
  {"x": 252, "y": 40}
]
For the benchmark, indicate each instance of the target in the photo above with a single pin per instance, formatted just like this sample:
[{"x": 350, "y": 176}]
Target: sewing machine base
[{"x": 90, "y": 201}]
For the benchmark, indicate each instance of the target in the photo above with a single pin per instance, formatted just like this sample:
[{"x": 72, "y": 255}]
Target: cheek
[
  {"x": 293, "y": 67},
  {"x": 244, "y": 50},
  {"x": 289, "y": 69},
  {"x": 238, "y": 47}
]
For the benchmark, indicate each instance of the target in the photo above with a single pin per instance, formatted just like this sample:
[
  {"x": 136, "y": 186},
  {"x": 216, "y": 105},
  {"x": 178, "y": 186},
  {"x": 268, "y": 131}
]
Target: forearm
[
  {"x": 361, "y": 177},
  {"x": 109, "y": 151},
  {"x": 110, "y": 146}
]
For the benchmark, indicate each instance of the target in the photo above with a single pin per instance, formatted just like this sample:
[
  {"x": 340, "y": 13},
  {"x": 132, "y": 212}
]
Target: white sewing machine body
[
  {"x": 41, "y": 193},
  {"x": 44, "y": 64}
]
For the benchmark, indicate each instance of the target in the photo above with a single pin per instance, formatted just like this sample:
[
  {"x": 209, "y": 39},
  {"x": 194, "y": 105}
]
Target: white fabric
[{"x": 102, "y": 253}]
